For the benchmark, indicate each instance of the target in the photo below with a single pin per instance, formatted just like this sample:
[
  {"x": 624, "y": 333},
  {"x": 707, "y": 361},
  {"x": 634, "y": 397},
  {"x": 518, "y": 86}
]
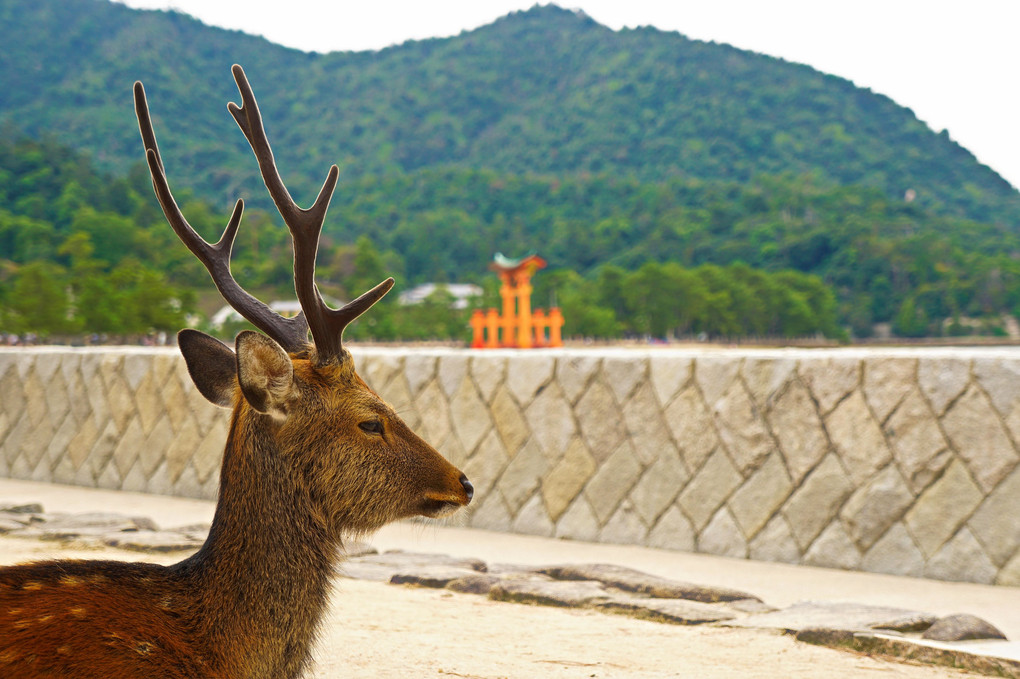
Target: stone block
[
  {"x": 942, "y": 508},
  {"x": 134, "y": 368},
  {"x": 574, "y": 374},
  {"x": 767, "y": 378},
  {"x": 775, "y": 542},
  {"x": 814, "y": 504},
  {"x": 486, "y": 464},
  {"x": 378, "y": 369},
  {"x": 673, "y": 531},
  {"x": 509, "y": 421},
  {"x": 624, "y": 527},
  {"x": 491, "y": 514},
  {"x": 153, "y": 451},
  {"x": 578, "y": 522},
  {"x": 135, "y": 480},
  {"x": 78, "y": 401},
  {"x": 996, "y": 523},
  {"x": 12, "y": 395},
  {"x": 857, "y": 438},
  {"x": 961, "y": 559},
  {"x": 469, "y": 416},
  {"x": 34, "y": 394},
  {"x": 646, "y": 426},
  {"x": 600, "y": 420},
  {"x": 81, "y": 443},
  {"x": 833, "y": 549},
  {"x": 886, "y": 382},
  {"x": 714, "y": 375},
  {"x": 623, "y": 373},
  {"x": 1000, "y": 379},
  {"x": 181, "y": 448},
  {"x": 978, "y": 437},
  {"x": 798, "y": 429},
  {"x": 612, "y": 481},
  {"x": 176, "y": 405},
  {"x": 488, "y": 372},
  {"x": 420, "y": 370},
  {"x": 917, "y": 443},
  {"x": 741, "y": 428},
  {"x": 874, "y": 507},
  {"x": 830, "y": 379},
  {"x": 551, "y": 421},
  {"x": 942, "y": 379},
  {"x": 148, "y": 400},
  {"x": 661, "y": 482},
  {"x": 451, "y": 373},
  {"x": 895, "y": 553},
  {"x": 55, "y": 393},
  {"x": 710, "y": 487},
  {"x": 1009, "y": 575},
  {"x": 120, "y": 401},
  {"x": 566, "y": 479},
  {"x": 208, "y": 456},
  {"x": 527, "y": 374},
  {"x": 668, "y": 374},
  {"x": 692, "y": 427},
  {"x": 132, "y": 439},
  {"x": 755, "y": 502},
  {"x": 522, "y": 476},
  {"x": 435, "y": 413},
  {"x": 533, "y": 519},
  {"x": 722, "y": 536}
]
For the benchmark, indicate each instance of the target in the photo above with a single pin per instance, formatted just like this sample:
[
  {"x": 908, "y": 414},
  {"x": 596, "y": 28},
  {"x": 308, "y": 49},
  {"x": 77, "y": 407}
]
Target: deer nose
[{"x": 469, "y": 490}]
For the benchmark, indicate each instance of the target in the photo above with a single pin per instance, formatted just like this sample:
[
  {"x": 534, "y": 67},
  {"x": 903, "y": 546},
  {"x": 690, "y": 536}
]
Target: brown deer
[{"x": 313, "y": 456}]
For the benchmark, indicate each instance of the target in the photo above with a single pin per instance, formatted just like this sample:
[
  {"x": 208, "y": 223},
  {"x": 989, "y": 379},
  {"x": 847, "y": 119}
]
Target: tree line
[{"x": 86, "y": 252}]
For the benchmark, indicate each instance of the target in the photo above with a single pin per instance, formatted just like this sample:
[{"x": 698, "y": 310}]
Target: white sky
[{"x": 955, "y": 64}]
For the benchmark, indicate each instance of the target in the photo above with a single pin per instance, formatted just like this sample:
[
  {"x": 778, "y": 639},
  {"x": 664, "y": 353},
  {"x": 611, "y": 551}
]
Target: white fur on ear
[{"x": 265, "y": 373}]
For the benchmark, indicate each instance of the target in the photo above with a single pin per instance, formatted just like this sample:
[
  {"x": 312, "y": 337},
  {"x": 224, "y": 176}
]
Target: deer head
[{"x": 356, "y": 461}]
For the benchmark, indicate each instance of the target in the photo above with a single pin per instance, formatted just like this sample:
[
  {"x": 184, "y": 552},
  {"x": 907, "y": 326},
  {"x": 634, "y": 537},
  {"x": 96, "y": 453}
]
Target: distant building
[
  {"x": 462, "y": 293},
  {"x": 286, "y": 308}
]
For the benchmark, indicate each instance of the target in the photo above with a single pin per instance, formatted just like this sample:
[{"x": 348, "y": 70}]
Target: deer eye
[{"x": 372, "y": 427}]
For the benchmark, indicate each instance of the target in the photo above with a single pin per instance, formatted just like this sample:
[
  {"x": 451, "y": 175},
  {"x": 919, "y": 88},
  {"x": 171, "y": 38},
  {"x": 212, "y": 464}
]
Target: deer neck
[{"x": 264, "y": 572}]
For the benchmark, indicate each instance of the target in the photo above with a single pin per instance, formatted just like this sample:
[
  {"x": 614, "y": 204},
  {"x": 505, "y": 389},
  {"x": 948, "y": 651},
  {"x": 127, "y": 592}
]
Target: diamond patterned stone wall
[{"x": 893, "y": 461}]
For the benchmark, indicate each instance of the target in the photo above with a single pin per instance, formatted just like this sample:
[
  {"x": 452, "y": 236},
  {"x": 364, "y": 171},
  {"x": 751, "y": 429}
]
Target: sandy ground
[{"x": 382, "y": 631}]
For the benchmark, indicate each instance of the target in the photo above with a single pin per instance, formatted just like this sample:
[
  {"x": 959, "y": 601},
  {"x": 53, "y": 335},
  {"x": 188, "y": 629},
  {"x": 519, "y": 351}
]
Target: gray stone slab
[
  {"x": 822, "y": 615},
  {"x": 962, "y": 627},
  {"x": 673, "y": 611},
  {"x": 550, "y": 592},
  {"x": 630, "y": 580},
  {"x": 435, "y": 576}
]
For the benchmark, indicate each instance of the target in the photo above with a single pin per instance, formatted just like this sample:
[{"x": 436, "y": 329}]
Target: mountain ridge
[{"x": 544, "y": 91}]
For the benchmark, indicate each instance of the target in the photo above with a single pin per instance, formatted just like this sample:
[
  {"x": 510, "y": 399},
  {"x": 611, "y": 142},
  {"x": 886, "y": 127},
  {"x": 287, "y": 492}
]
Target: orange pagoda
[{"x": 518, "y": 326}]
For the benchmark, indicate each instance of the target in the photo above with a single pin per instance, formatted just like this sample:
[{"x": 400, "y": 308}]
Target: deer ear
[
  {"x": 265, "y": 372},
  {"x": 211, "y": 364}
]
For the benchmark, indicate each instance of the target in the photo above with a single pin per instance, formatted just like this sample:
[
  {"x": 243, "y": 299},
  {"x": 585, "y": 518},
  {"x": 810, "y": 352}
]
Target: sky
[{"x": 956, "y": 65}]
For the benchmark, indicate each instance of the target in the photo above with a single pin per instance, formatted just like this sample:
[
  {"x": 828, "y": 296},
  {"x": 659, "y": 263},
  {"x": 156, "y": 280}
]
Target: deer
[{"x": 313, "y": 458}]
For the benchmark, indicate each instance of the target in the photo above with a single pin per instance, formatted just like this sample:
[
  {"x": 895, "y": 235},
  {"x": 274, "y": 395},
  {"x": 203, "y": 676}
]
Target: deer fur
[
  {"x": 299, "y": 475},
  {"x": 313, "y": 456}
]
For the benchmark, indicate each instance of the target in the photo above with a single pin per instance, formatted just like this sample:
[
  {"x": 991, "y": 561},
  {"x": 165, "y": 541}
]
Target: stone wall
[{"x": 896, "y": 461}]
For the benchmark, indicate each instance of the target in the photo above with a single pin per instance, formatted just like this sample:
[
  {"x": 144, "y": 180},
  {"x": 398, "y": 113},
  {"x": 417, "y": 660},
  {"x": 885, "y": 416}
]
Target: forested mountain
[
  {"x": 675, "y": 186},
  {"x": 546, "y": 91}
]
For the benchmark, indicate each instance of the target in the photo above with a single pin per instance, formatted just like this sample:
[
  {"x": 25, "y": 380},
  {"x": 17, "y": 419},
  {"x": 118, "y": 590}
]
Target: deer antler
[
  {"x": 327, "y": 324},
  {"x": 305, "y": 225},
  {"x": 290, "y": 333}
]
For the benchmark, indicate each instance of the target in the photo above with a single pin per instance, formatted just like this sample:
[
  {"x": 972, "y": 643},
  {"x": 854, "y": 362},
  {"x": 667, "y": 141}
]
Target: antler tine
[
  {"x": 291, "y": 333},
  {"x": 305, "y": 225}
]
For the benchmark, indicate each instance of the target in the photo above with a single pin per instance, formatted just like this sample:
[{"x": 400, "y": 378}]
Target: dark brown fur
[{"x": 295, "y": 481}]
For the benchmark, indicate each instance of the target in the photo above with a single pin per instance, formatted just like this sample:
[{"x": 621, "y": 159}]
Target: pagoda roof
[{"x": 501, "y": 262}]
